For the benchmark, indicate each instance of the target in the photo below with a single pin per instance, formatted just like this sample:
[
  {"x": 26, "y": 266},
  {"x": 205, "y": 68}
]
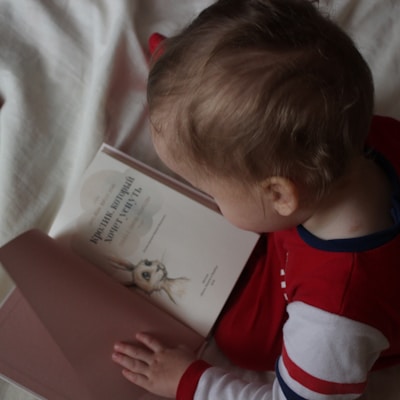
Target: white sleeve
[
  {"x": 217, "y": 383},
  {"x": 324, "y": 357}
]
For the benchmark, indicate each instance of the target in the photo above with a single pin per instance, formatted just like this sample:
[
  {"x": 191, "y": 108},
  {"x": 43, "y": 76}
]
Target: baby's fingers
[
  {"x": 129, "y": 363},
  {"x": 124, "y": 350},
  {"x": 150, "y": 342},
  {"x": 137, "y": 379}
]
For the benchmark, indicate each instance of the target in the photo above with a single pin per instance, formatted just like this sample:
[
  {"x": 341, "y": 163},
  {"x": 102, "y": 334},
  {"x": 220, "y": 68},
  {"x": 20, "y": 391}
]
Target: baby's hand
[{"x": 153, "y": 366}]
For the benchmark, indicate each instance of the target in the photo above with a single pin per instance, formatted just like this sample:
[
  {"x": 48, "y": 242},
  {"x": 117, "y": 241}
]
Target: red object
[{"x": 154, "y": 41}]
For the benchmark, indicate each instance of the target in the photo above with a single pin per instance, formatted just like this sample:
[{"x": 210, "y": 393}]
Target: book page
[
  {"x": 75, "y": 313},
  {"x": 178, "y": 185},
  {"x": 177, "y": 253},
  {"x": 29, "y": 356},
  {"x": 6, "y": 285}
]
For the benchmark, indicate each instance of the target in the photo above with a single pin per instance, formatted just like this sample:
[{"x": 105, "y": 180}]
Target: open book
[{"x": 130, "y": 250}]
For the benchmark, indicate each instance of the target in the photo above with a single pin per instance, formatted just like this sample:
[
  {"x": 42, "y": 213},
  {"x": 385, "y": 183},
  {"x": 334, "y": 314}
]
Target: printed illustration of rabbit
[{"x": 148, "y": 275}]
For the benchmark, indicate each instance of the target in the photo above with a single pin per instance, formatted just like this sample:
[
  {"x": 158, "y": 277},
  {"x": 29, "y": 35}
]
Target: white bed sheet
[{"x": 73, "y": 74}]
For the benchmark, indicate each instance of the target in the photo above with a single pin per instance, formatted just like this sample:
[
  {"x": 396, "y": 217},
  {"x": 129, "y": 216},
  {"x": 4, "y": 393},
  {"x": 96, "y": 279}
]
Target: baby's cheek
[{"x": 237, "y": 220}]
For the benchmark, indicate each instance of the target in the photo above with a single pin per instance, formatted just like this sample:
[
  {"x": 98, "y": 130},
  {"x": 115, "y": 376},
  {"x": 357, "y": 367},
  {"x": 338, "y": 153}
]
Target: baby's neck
[{"x": 357, "y": 206}]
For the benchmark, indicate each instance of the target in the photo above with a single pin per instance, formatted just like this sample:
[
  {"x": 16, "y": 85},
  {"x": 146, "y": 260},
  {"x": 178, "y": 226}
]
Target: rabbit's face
[{"x": 149, "y": 275}]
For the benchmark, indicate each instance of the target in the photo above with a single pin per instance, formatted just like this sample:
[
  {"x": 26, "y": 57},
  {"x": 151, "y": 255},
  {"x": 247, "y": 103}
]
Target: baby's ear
[{"x": 283, "y": 195}]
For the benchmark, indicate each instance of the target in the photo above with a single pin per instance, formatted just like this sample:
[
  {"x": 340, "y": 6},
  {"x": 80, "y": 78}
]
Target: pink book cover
[{"x": 58, "y": 328}]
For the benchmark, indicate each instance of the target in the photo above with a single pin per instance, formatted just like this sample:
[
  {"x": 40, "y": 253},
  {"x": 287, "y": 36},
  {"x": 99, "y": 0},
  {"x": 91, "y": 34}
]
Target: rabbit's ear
[
  {"x": 169, "y": 293},
  {"x": 120, "y": 263},
  {"x": 167, "y": 288},
  {"x": 139, "y": 289},
  {"x": 174, "y": 287}
]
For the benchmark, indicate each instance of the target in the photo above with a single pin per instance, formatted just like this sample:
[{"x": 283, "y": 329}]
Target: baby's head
[{"x": 253, "y": 89}]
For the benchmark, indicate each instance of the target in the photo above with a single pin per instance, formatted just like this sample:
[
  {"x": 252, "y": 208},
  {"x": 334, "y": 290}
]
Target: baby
[{"x": 266, "y": 105}]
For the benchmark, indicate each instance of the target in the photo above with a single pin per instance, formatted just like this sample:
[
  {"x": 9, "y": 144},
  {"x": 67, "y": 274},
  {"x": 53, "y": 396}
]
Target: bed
[{"x": 73, "y": 75}]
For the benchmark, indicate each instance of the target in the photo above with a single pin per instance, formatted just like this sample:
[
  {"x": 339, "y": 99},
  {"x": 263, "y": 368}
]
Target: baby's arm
[
  {"x": 152, "y": 366},
  {"x": 324, "y": 356}
]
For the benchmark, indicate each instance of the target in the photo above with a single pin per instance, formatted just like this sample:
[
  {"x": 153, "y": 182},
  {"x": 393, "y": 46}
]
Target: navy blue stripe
[
  {"x": 367, "y": 242},
  {"x": 359, "y": 244},
  {"x": 289, "y": 393}
]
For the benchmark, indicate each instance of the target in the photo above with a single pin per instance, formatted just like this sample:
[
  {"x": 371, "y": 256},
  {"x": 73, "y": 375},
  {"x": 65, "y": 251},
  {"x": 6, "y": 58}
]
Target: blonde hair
[{"x": 259, "y": 88}]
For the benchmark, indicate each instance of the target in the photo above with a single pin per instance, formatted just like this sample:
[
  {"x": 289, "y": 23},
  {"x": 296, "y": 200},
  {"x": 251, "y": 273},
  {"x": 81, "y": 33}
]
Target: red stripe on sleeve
[
  {"x": 319, "y": 385},
  {"x": 188, "y": 383}
]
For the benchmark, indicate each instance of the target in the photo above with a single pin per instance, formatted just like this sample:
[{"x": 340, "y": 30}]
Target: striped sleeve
[{"x": 324, "y": 357}]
